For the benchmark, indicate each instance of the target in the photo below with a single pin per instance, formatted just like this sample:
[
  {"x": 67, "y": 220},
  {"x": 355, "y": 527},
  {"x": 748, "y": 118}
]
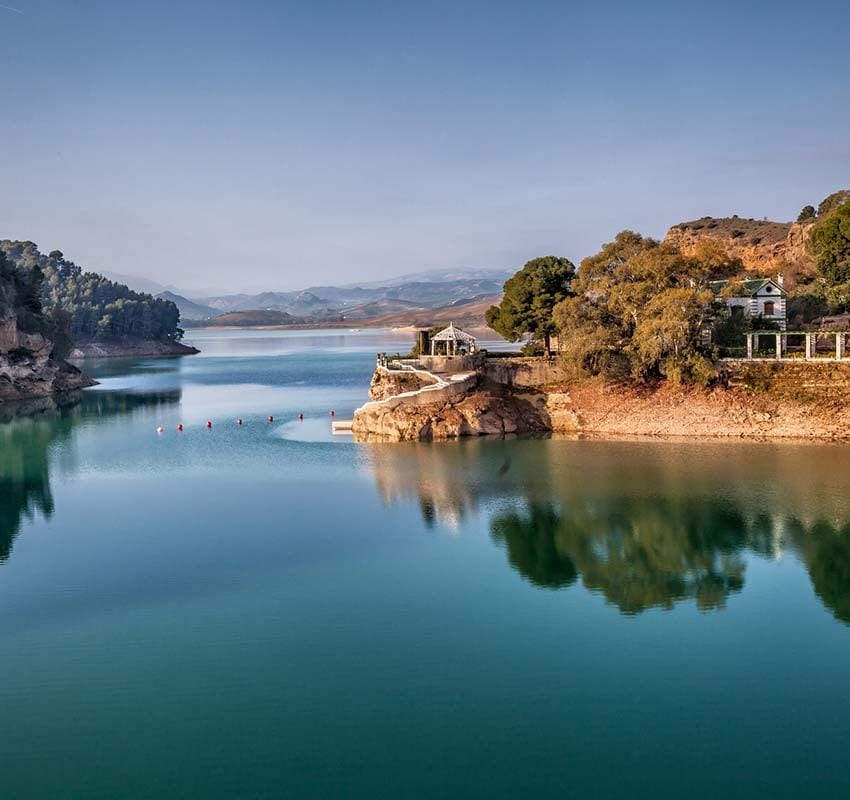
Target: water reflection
[
  {"x": 638, "y": 553},
  {"x": 27, "y": 433},
  {"x": 645, "y": 524}
]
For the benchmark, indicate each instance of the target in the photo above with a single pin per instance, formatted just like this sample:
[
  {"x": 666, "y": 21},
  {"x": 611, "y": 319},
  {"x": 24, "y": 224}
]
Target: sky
[{"x": 259, "y": 145}]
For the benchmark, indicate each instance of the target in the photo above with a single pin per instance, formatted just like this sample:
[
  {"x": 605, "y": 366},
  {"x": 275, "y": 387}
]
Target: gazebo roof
[{"x": 452, "y": 334}]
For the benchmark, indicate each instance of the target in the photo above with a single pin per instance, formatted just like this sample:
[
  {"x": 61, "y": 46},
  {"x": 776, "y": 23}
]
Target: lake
[{"x": 267, "y": 611}]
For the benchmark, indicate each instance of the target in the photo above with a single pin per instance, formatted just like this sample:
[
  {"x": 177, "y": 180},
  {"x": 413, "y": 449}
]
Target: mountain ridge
[{"x": 420, "y": 293}]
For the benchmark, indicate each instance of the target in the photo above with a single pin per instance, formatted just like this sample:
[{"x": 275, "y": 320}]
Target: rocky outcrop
[
  {"x": 28, "y": 368},
  {"x": 762, "y": 246},
  {"x": 488, "y": 409},
  {"x": 796, "y": 246},
  {"x": 131, "y": 349}
]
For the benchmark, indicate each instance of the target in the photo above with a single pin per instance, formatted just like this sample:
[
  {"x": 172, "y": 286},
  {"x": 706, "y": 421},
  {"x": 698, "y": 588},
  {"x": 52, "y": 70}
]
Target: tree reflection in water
[
  {"x": 645, "y": 524},
  {"x": 27, "y": 432},
  {"x": 638, "y": 553},
  {"x": 533, "y": 545}
]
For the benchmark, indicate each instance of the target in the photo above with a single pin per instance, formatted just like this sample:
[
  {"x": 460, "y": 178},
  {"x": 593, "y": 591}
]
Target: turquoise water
[{"x": 271, "y": 611}]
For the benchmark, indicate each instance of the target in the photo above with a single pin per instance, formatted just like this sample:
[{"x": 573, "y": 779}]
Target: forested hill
[{"x": 99, "y": 309}]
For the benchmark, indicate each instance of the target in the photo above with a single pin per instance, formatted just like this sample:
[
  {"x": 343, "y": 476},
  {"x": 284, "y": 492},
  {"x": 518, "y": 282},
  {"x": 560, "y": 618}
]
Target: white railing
[{"x": 406, "y": 364}]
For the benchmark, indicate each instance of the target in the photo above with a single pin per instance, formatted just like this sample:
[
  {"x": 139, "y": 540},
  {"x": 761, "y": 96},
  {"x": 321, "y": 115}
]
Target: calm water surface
[{"x": 270, "y": 611}]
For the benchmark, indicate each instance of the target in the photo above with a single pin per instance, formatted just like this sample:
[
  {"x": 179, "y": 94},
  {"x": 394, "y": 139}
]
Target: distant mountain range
[
  {"x": 188, "y": 309},
  {"x": 418, "y": 296}
]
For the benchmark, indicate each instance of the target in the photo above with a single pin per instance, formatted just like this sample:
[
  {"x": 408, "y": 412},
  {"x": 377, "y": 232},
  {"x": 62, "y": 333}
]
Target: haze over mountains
[{"x": 417, "y": 294}]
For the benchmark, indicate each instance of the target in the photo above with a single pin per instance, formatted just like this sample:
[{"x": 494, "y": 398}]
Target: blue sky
[{"x": 273, "y": 145}]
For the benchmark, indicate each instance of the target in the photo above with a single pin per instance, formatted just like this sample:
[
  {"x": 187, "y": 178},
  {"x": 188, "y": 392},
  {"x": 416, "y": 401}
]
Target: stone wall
[
  {"x": 524, "y": 372},
  {"x": 451, "y": 364}
]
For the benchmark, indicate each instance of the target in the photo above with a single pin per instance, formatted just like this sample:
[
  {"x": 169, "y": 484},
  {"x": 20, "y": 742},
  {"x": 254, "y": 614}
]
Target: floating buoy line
[{"x": 239, "y": 422}]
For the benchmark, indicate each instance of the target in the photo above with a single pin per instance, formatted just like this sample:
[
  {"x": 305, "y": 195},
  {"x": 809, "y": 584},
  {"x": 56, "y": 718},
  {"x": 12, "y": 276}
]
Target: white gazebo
[{"x": 454, "y": 340}]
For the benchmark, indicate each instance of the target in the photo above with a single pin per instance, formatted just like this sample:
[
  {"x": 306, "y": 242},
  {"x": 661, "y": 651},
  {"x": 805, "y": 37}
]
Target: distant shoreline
[
  {"x": 131, "y": 349},
  {"x": 301, "y": 326}
]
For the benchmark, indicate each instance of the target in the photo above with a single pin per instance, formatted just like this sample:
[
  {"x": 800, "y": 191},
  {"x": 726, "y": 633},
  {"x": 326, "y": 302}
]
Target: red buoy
[
  {"x": 160, "y": 429},
  {"x": 209, "y": 424},
  {"x": 179, "y": 426},
  {"x": 239, "y": 421},
  {"x": 271, "y": 418},
  {"x": 300, "y": 416}
]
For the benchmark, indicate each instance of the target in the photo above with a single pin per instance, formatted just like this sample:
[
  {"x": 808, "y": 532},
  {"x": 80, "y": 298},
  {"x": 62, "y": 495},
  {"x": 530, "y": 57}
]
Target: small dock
[{"x": 341, "y": 425}]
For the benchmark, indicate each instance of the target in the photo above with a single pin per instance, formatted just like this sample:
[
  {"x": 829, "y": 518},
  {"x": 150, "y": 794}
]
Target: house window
[
  {"x": 768, "y": 308},
  {"x": 737, "y": 311}
]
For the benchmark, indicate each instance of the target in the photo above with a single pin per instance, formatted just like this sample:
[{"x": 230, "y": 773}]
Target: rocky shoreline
[
  {"x": 522, "y": 396},
  {"x": 130, "y": 349},
  {"x": 30, "y": 370}
]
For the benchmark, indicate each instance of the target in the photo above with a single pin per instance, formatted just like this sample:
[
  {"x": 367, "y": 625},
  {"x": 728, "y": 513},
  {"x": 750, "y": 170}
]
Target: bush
[
  {"x": 692, "y": 370},
  {"x": 838, "y": 298},
  {"x": 807, "y": 304}
]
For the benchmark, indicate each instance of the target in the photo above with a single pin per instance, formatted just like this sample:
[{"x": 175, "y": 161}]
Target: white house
[{"x": 758, "y": 297}]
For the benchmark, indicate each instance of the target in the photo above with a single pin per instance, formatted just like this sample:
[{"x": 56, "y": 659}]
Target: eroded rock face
[
  {"x": 482, "y": 411},
  {"x": 28, "y": 368},
  {"x": 762, "y": 246}
]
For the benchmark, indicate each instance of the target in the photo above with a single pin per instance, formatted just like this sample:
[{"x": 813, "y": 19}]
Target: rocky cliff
[
  {"x": 762, "y": 246},
  {"x": 28, "y": 367}
]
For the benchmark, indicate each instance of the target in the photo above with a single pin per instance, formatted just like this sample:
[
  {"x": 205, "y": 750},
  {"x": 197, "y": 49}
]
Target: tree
[
  {"x": 639, "y": 310},
  {"x": 529, "y": 299},
  {"x": 807, "y": 214},
  {"x": 830, "y": 244}
]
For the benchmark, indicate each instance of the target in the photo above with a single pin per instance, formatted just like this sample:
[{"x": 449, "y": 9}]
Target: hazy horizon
[{"x": 274, "y": 145}]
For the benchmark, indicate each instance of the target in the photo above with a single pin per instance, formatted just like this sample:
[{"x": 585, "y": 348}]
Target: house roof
[{"x": 752, "y": 286}]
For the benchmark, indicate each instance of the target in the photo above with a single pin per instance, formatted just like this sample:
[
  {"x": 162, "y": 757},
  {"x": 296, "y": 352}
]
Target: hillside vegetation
[{"x": 98, "y": 309}]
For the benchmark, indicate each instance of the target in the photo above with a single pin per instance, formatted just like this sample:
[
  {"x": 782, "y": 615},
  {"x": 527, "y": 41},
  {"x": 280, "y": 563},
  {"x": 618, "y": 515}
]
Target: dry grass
[{"x": 746, "y": 231}]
